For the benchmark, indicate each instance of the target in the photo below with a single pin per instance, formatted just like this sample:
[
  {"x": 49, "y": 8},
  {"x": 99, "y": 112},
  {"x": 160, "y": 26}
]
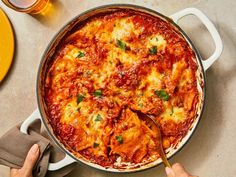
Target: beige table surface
[{"x": 211, "y": 150}]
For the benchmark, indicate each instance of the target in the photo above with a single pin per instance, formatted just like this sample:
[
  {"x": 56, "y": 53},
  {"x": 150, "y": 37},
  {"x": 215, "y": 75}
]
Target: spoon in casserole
[{"x": 154, "y": 126}]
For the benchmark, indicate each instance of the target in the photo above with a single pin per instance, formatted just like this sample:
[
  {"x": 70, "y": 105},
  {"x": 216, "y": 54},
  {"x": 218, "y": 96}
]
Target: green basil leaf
[
  {"x": 140, "y": 105},
  {"x": 119, "y": 139},
  {"x": 97, "y": 93},
  {"x": 162, "y": 94},
  {"x": 80, "y": 98},
  {"x": 98, "y": 118},
  {"x": 172, "y": 111},
  {"x": 95, "y": 144},
  {"x": 80, "y": 54},
  {"x": 153, "y": 50},
  {"x": 121, "y": 44}
]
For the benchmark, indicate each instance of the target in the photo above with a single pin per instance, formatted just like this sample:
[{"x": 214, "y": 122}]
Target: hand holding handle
[{"x": 51, "y": 166}]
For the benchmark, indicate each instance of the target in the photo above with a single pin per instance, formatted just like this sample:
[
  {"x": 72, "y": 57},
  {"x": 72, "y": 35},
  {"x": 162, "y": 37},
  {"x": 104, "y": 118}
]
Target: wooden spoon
[{"x": 155, "y": 127}]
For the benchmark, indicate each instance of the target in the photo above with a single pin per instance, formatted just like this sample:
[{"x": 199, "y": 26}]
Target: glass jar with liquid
[{"x": 28, "y": 6}]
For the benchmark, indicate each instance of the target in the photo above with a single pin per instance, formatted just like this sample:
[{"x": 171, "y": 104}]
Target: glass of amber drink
[{"x": 28, "y": 6}]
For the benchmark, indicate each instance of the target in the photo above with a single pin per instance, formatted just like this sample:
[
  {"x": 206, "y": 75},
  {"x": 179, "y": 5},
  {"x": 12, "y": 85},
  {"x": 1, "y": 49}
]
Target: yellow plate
[{"x": 6, "y": 44}]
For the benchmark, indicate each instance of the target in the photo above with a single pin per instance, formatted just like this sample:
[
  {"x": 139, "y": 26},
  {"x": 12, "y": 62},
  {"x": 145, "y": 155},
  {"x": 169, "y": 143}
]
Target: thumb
[
  {"x": 169, "y": 172},
  {"x": 31, "y": 159}
]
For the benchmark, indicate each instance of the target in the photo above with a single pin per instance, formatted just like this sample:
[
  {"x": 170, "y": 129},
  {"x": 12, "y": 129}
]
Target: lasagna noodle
[{"x": 136, "y": 137}]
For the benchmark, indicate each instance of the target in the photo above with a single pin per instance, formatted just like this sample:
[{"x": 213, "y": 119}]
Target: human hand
[
  {"x": 177, "y": 170},
  {"x": 30, "y": 160}
]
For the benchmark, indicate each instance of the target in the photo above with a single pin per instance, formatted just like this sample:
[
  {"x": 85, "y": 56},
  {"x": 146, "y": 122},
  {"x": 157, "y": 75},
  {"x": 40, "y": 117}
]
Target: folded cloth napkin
[{"x": 15, "y": 145}]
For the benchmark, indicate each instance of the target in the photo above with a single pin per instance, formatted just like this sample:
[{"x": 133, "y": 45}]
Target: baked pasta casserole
[{"x": 108, "y": 68}]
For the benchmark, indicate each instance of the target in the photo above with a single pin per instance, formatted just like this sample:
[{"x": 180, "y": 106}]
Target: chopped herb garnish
[
  {"x": 119, "y": 139},
  {"x": 121, "y": 44},
  {"x": 95, "y": 145},
  {"x": 97, "y": 93},
  {"x": 172, "y": 111},
  {"x": 78, "y": 109},
  {"x": 80, "y": 54},
  {"x": 79, "y": 98},
  {"x": 88, "y": 73},
  {"x": 162, "y": 94},
  {"x": 121, "y": 73},
  {"x": 140, "y": 94},
  {"x": 140, "y": 105},
  {"x": 98, "y": 118},
  {"x": 153, "y": 50}
]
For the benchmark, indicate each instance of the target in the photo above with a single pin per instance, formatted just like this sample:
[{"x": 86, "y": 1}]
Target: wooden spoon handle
[{"x": 164, "y": 158}]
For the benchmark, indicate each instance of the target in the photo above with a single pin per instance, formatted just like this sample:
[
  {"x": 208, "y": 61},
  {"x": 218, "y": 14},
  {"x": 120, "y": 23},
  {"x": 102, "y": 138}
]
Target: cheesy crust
[{"x": 110, "y": 67}]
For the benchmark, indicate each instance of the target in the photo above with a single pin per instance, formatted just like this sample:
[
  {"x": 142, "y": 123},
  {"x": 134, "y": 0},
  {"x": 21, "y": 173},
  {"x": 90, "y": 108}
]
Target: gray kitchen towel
[{"x": 15, "y": 145}]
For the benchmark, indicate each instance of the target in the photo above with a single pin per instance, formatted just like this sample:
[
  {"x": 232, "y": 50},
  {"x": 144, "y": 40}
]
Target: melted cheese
[
  {"x": 90, "y": 29},
  {"x": 126, "y": 58},
  {"x": 72, "y": 54},
  {"x": 154, "y": 80},
  {"x": 105, "y": 71},
  {"x": 70, "y": 113},
  {"x": 178, "y": 114},
  {"x": 122, "y": 28},
  {"x": 186, "y": 78},
  {"x": 174, "y": 113},
  {"x": 177, "y": 70},
  {"x": 157, "y": 40}
]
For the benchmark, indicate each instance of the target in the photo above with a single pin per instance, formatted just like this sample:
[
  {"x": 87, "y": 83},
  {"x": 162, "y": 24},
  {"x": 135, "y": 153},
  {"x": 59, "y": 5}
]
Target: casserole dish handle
[
  {"x": 51, "y": 166},
  {"x": 210, "y": 27}
]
